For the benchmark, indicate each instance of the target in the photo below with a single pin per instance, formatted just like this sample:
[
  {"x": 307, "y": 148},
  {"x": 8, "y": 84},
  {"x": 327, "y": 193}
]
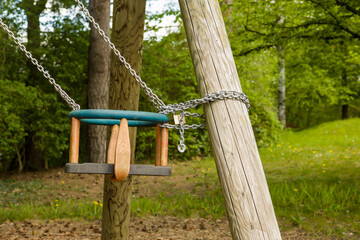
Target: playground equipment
[
  {"x": 118, "y": 156},
  {"x": 242, "y": 178}
]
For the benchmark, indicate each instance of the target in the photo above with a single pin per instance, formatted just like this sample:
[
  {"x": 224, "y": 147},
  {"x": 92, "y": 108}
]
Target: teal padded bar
[
  {"x": 119, "y": 114},
  {"x": 131, "y": 123}
]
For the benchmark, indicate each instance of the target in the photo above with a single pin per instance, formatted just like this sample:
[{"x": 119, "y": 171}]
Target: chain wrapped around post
[{"x": 154, "y": 99}]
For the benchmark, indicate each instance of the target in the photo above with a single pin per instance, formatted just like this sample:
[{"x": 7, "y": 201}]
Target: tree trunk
[
  {"x": 248, "y": 203},
  {"x": 127, "y": 35},
  {"x": 99, "y": 76},
  {"x": 33, "y": 9},
  {"x": 281, "y": 88},
  {"x": 344, "y": 111},
  {"x": 344, "y": 106},
  {"x": 18, "y": 157}
]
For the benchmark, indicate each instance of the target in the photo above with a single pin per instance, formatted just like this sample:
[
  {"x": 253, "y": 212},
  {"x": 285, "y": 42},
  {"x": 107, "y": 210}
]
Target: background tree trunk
[
  {"x": 127, "y": 35},
  {"x": 33, "y": 9},
  {"x": 344, "y": 111},
  {"x": 99, "y": 76},
  {"x": 344, "y": 106},
  {"x": 247, "y": 198},
  {"x": 281, "y": 87}
]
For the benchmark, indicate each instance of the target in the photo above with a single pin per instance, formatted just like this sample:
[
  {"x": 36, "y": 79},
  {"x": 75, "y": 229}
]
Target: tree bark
[
  {"x": 248, "y": 203},
  {"x": 127, "y": 35},
  {"x": 344, "y": 111},
  {"x": 344, "y": 106},
  {"x": 33, "y": 9},
  {"x": 99, "y": 76},
  {"x": 281, "y": 87}
]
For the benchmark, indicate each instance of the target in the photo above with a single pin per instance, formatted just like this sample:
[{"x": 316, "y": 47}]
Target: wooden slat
[
  {"x": 164, "y": 146},
  {"x": 112, "y": 144},
  {"x": 74, "y": 141},
  {"x": 122, "y": 152},
  {"x": 158, "y": 146}
]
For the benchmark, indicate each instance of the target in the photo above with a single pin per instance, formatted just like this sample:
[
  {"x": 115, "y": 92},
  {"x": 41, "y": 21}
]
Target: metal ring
[{"x": 181, "y": 147}]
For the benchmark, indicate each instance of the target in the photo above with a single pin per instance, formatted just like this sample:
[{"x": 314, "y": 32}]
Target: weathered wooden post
[
  {"x": 127, "y": 35},
  {"x": 248, "y": 203}
]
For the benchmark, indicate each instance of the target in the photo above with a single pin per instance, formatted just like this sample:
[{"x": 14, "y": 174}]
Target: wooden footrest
[{"x": 105, "y": 168}]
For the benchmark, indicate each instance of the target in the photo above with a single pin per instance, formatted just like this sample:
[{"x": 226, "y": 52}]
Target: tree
[
  {"x": 33, "y": 9},
  {"x": 311, "y": 21},
  {"x": 99, "y": 75},
  {"x": 45, "y": 115},
  {"x": 128, "y": 30}
]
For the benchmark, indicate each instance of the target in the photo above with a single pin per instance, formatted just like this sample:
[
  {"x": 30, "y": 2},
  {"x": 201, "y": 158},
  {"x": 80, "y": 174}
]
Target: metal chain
[
  {"x": 152, "y": 96},
  {"x": 51, "y": 80},
  {"x": 158, "y": 104},
  {"x": 180, "y": 107},
  {"x": 225, "y": 94}
]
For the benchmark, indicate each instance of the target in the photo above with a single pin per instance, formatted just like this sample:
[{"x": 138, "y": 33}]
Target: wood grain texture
[
  {"x": 112, "y": 144},
  {"x": 164, "y": 146},
  {"x": 127, "y": 35},
  {"x": 99, "y": 75},
  {"x": 158, "y": 146},
  {"x": 122, "y": 152},
  {"x": 240, "y": 171},
  {"x": 74, "y": 141}
]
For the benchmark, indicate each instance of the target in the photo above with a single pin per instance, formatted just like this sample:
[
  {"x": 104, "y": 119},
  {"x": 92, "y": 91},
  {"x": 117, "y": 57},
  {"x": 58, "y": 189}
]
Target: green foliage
[
  {"x": 320, "y": 42},
  {"x": 168, "y": 71},
  {"x": 33, "y": 106},
  {"x": 17, "y": 102},
  {"x": 258, "y": 75}
]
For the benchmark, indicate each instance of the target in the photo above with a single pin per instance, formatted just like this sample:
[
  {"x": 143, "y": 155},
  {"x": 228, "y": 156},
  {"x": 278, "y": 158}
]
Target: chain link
[
  {"x": 51, "y": 80},
  {"x": 180, "y": 107},
  {"x": 156, "y": 101},
  {"x": 158, "y": 104}
]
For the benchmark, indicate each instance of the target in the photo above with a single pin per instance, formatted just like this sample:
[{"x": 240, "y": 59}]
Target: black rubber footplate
[{"x": 104, "y": 168}]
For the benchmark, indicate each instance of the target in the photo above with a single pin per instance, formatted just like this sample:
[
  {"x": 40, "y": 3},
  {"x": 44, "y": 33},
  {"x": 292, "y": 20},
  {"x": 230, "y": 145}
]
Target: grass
[{"x": 313, "y": 177}]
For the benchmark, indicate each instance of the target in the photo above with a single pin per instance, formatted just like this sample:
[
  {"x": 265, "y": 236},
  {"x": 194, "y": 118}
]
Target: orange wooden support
[
  {"x": 164, "y": 146},
  {"x": 74, "y": 141},
  {"x": 158, "y": 146},
  {"x": 122, "y": 152},
  {"x": 112, "y": 144}
]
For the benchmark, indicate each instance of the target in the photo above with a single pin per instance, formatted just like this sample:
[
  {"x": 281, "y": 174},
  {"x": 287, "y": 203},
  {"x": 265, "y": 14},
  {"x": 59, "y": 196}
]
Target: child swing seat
[{"x": 119, "y": 151}]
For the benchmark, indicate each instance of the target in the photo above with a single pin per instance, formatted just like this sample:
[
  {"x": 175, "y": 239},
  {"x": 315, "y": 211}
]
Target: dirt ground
[
  {"x": 140, "y": 228},
  {"x": 157, "y": 228}
]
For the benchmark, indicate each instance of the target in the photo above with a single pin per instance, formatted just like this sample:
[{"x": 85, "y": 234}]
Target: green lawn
[{"x": 313, "y": 177}]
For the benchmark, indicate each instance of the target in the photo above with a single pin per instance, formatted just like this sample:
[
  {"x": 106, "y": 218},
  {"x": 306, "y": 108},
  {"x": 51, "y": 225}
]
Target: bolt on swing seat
[{"x": 118, "y": 155}]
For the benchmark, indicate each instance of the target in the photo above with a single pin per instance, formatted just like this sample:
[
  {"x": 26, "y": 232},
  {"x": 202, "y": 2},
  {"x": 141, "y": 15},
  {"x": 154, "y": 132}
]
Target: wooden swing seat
[{"x": 118, "y": 156}]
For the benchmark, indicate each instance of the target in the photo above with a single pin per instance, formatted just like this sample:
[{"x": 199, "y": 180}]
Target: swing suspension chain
[
  {"x": 152, "y": 96},
  {"x": 158, "y": 104},
  {"x": 51, "y": 80},
  {"x": 154, "y": 99}
]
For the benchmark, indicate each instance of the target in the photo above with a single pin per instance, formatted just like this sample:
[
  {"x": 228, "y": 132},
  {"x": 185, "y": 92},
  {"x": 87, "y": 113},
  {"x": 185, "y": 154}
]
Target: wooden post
[
  {"x": 127, "y": 35},
  {"x": 74, "y": 141},
  {"x": 248, "y": 203},
  {"x": 164, "y": 146},
  {"x": 158, "y": 146}
]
